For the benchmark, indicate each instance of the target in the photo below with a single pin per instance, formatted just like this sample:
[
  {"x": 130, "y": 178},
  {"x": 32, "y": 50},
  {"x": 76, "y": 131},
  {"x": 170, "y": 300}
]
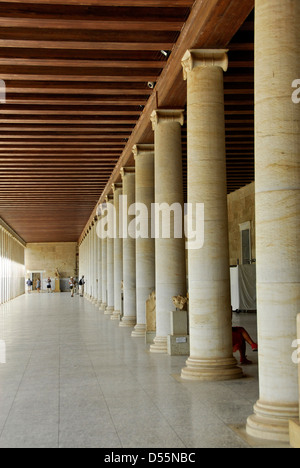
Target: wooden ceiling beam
[
  {"x": 140, "y": 24},
  {"x": 77, "y": 101},
  {"x": 35, "y": 136},
  {"x": 69, "y": 129},
  {"x": 14, "y": 74},
  {"x": 86, "y": 45},
  {"x": 65, "y": 121},
  {"x": 81, "y": 111},
  {"x": 131, "y": 64},
  {"x": 112, "y": 3}
]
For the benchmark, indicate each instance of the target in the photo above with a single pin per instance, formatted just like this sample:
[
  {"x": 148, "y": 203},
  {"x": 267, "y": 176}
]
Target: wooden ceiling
[{"x": 77, "y": 98}]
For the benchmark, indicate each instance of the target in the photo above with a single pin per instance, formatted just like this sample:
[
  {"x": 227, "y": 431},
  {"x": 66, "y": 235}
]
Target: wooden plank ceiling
[{"x": 77, "y": 98}]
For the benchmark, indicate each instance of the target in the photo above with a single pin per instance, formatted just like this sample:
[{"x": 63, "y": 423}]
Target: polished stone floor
[{"x": 73, "y": 378}]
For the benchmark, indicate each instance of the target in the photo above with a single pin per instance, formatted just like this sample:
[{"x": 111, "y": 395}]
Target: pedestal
[{"x": 57, "y": 285}]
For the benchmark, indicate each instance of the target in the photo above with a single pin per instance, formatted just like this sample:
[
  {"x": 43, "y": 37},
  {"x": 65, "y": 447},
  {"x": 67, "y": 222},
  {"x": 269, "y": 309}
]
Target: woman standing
[
  {"x": 72, "y": 286},
  {"x": 49, "y": 285}
]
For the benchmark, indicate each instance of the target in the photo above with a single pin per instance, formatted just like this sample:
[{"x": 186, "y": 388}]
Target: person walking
[
  {"x": 29, "y": 285},
  {"x": 81, "y": 286},
  {"x": 72, "y": 286},
  {"x": 49, "y": 288}
]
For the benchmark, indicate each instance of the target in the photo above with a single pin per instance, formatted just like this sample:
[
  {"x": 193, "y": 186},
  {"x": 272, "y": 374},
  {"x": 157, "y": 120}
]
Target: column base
[
  {"x": 109, "y": 310},
  {"x": 116, "y": 315},
  {"x": 103, "y": 306},
  {"x": 160, "y": 345},
  {"x": 211, "y": 369},
  {"x": 139, "y": 331},
  {"x": 271, "y": 422},
  {"x": 128, "y": 321}
]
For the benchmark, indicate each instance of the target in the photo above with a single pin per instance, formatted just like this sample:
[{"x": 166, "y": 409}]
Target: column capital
[
  {"x": 204, "y": 58},
  {"x": 127, "y": 170},
  {"x": 116, "y": 187},
  {"x": 167, "y": 115},
  {"x": 142, "y": 149},
  {"x": 109, "y": 198}
]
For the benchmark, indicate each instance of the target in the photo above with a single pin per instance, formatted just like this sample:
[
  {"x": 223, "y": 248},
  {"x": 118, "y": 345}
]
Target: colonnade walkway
[{"x": 74, "y": 378}]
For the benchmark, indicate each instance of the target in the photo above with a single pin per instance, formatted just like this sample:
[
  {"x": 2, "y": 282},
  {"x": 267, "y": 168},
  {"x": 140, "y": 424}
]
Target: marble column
[
  {"x": 104, "y": 274},
  {"x": 129, "y": 267},
  {"x": 90, "y": 276},
  {"x": 95, "y": 263},
  {"x": 92, "y": 260},
  {"x": 277, "y": 204},
  {"x": 169, "y": 251},
  {"x": 211, "y": 356},
  {"x": 145, "y": 244},
  {"x": 110, "y": 268},
  {"x": 118, "y": 255},
  {"x": 99, "y": 267}
]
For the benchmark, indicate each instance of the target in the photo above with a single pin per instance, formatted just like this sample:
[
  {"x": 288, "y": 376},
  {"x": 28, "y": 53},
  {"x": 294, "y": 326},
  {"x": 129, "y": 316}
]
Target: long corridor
[{"x": 71, "y": 378}]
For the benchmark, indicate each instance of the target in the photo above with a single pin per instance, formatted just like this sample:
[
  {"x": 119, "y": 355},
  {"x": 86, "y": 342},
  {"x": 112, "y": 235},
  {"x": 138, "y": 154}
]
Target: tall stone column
[
  {"x": 277, "y": 199},
  {"x": 169, "y": 251},
  {"x": 110, "y": 268},
  {"x": 145, "y": 244},
  {"x": 129, "y": 267},
  {"x": 104, "y": 274},
  {"x": 118, "y": 255},
  {"x": 211, "y": 355},
  {"x": 90, "y": 279},
  {"x": 95, "y": 263},
  {"x": 99, "y": 266}
]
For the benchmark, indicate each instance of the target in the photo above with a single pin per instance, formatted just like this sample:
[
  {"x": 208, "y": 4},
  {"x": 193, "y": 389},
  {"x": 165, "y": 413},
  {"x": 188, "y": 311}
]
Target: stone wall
[
  {"x": 48, "y": 257},
  {"x": 241, "y": 208}
]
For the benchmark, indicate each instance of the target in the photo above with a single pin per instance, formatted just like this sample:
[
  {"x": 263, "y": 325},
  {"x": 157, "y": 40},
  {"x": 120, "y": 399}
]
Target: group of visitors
[
  {"x": 37, "y": 285},
  {"x": 73, "y": 286}
]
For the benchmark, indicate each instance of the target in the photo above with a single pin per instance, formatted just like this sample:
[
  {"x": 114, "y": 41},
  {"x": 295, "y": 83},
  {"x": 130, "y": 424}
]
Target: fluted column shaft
[
  {"x": 129, "y": 266},
  {"x": 118, "y": 254},
  {"x": 104, "y": 273},
  {"x": 99, "y": 266},
  {"x": 110, "y": 267},
  {"x": 209, "y": 281},
  {"x": 277, "y": 200},
  {"x": 169, "y": 252},
  {"x": 145, "y": 244}
]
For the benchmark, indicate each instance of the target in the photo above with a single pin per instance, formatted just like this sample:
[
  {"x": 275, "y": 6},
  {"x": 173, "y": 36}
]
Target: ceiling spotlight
[
  {"x": 166, "y": 53},
  {"x": 151, "y": 84}
]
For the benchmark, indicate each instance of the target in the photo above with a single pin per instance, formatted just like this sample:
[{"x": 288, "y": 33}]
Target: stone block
[
  {"x": 179, "y": 322},
  {"x": 294, "y": 427},
  {"x": 178, "y": 345}
]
